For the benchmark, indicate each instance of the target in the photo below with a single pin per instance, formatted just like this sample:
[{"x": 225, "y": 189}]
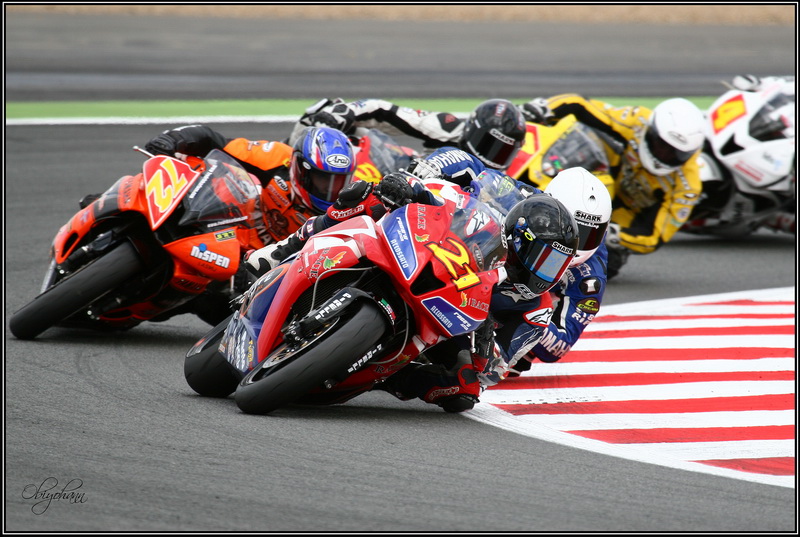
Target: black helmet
[
  {"x": 494, "y": 133},
  {"x": 542, "y": 241}
]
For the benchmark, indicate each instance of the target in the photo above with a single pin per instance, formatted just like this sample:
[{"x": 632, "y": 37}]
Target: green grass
[{"x": 267, "y": 107}]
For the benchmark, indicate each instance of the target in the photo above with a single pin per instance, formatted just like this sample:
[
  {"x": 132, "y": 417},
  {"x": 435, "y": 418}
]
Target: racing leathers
[
  {"x": 435, "y": 129},
  {"x": 456, "y": 375},
  {"x": 576, "y": 302},
  {"x": 267, "y": 160},
  {"x": 648, "y": 209}
]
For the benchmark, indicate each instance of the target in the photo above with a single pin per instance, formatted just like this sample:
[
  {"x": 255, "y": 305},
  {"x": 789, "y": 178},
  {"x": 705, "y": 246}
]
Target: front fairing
[
  {"x": 550, "y": 149},
  {"x": 239, "y": 343},
  {"x": 753, "y": 135},
  {"x": 222, "y": 196},
  {"x": 579, "y": 146},
  {"x": 447, "y": 257}
]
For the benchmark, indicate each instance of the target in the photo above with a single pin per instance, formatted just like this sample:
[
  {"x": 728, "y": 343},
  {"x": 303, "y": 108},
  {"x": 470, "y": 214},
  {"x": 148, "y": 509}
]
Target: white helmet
[
  {"x": 587, "y": 198},
  {"x": 675, "y": 133}
]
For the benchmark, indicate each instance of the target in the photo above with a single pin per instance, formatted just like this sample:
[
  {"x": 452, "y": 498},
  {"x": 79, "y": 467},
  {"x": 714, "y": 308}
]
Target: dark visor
[
  {"x": 491, "y": 149},
  {"x": 325, "y": 186},
  {"x": 662, "y": 151},
  {"x": 542, "y": 260},
  {"x": 590, "y": 235}
]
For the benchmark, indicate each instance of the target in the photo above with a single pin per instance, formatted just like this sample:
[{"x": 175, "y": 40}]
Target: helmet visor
[
  {"x": 590, "y": 234},
  {"x": 666, "y": 155},
  {"x": 542, "y": 260},
  {"x": 494, "y": 152},
  {"x": 326, "y": 186}
]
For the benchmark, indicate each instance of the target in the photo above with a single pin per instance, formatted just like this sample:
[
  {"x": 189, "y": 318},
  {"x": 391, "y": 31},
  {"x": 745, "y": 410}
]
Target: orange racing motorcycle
[{"x": 165, "y": 241}]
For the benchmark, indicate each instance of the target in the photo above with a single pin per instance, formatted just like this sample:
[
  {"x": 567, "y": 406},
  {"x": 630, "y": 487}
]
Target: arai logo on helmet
[{"x": 338, "y": 161}]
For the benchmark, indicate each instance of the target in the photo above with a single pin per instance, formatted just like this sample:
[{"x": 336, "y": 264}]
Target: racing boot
[
  {"x": 259, "y": 262},
  {"x": 522, "y": 365},
  {"x": 453, "y": 390}
]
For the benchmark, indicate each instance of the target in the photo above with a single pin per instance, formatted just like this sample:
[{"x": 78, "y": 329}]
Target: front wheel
[
  {"x": 76, "y": 291},
  {"x": 264, "y": 390}
]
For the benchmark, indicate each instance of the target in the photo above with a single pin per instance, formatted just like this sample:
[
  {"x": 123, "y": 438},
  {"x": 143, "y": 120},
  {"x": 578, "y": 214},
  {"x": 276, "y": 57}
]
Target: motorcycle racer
[
  {"x": 489, "y": 138},
  {"x": 579, "y": 293},
  {"x": 653, "y": 157},
  {"x": 299, "y": 181},
  {"x": 521, "y": 306}
]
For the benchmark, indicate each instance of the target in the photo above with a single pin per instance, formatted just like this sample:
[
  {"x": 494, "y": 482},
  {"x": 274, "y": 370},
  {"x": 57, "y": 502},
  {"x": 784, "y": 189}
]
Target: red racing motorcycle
[{"x": 358, "y": 303}]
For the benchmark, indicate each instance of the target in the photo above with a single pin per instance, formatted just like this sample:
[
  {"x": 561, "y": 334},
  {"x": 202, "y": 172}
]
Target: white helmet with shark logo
[{"x": 587, "y": 198}]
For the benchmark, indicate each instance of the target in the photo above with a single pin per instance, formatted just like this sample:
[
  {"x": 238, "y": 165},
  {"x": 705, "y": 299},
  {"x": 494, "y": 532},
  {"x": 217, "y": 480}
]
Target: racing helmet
[
  {"x": 542, "y": 240},
  {"x": 494, "y": 133},
  {"x": 323, "y": 163},
  {"x": 587, "y": 198},
  {"x": 675, "y": 132}
]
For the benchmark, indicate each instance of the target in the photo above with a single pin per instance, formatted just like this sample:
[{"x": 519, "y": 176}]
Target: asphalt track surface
[{"x": 115, "y": 413}]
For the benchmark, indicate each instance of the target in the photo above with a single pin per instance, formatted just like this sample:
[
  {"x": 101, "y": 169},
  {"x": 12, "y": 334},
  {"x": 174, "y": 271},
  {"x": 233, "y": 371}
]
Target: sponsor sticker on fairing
[{"x": 202, "y": 252}]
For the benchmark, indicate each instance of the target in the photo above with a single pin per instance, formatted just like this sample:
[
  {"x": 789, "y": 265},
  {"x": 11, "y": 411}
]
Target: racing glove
[
  {"x": 163, "y": 144},
  {"x": 425, "y": 169},
  {"x": 355, "y": 199},
  {"x": 194, "y": 140},
  {"x": 394, "y": 191},
  {"x": 338, "y": 116},
  {"x": 617, "y": 253},
  {"x": 613, "y": 240},
  {"x": 537, "y": 111},
  {"x": 746, "y": 82}
]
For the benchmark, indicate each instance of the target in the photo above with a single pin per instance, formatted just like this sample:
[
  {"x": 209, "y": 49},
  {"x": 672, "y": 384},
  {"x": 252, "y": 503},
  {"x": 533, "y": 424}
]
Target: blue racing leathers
[
  {"x": 451, "y": 164},
  {"x": 576, "y": 302}
]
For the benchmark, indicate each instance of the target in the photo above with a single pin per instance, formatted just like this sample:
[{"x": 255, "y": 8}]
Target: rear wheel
[
  {"x": 76, "y": 291},
  {"x": 266, "y": 388}
]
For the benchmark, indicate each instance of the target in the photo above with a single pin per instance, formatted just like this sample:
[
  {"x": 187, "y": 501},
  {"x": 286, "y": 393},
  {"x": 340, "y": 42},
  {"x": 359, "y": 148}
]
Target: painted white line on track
[
  {"x": 733, "y": 416},
  {"x": 578, "y": 422},
  {"x": 686, "y": 342},
  {"x": 180, "y": 120},
  {"x": 648, "y": 392},
  {"x": 559, "y": 369}
]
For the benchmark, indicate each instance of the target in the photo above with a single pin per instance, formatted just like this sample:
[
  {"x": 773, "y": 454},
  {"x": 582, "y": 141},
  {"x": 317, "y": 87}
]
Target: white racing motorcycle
[{"x": 748, "y": 164}]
